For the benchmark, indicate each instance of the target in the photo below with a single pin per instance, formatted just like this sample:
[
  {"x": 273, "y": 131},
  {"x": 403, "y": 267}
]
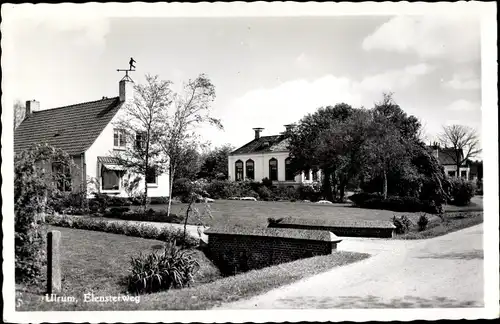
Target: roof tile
[{"x": 71, "y": 128}]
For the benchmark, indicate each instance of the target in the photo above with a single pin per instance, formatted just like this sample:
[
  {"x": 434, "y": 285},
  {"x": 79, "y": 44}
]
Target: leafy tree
[
  {"x": 215, "y": 163},
  {"x": 142, "y": 124},
  {"x": 309, "y": 150},
  {"x": 344, "y": 145},
  {"x": 463, "y": 140},
  {"x": 35, "y": 192},
  {"x": 19, "y": 112},
  {"x": 189, "y": 109}
]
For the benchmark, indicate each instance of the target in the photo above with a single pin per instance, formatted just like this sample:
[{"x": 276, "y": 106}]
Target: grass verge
[
  {"x": 225, "y": 290},
  {"x": 451, "y": 222},
  {"x": 97, "y": 262}
]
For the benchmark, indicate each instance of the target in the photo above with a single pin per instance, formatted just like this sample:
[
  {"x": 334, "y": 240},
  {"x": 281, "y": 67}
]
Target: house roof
[
  {"x": 274, "y": 143},
  {"x": 446, "y": 156},
  {"x": 71, "y": 128}
]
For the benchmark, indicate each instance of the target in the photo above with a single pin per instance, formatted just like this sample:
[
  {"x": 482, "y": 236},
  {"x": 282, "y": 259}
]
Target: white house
[
  {"x": 267, "y": 157},
  {"x": 446, "y": 157},
  {"x": 88, "y": 133}
]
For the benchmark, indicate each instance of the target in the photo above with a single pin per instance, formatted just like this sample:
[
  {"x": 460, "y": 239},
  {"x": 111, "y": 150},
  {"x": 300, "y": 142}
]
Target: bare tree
[
  {"x": 19, "y": 112},
  {"x": 142, "y": 125},
  {"x": 463, "y": 140},
  {"x": 190, "y": 109}
]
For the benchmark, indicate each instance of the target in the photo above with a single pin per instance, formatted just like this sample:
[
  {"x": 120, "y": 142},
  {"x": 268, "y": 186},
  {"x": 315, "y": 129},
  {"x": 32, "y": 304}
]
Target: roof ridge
[{"x": 81, "y": 103}]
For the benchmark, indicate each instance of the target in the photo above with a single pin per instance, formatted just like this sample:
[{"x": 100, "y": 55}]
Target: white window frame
[
  {"x": 152, "y": 184},
  {"x": 120, "y": 179},
  {"x": 121, "y": 132}
]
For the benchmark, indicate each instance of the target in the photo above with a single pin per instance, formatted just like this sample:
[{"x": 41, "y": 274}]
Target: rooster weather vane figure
[{"x": 130, "y": 69}]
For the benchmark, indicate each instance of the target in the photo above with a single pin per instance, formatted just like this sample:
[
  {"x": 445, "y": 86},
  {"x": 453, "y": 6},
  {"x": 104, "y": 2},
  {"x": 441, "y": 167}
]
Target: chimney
[
  {"x": 126, "y": 90},
  {"x": 31, "y": 107},
  {"x": 257, "y": 132}
]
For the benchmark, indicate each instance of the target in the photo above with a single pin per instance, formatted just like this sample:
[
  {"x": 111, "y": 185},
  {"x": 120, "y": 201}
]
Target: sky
[{"x": 268, "y": 71}]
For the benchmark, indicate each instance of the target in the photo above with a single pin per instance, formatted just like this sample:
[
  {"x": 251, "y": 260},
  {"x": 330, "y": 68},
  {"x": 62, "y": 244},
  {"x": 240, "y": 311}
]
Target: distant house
[
  {"x": 267, "y": 157},
  {"x": 86, "y": 131},
  {"x": 446, "y": 157}
]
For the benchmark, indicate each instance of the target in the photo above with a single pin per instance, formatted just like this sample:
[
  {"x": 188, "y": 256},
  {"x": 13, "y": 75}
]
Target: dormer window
[{"x": 119, "y": 140}]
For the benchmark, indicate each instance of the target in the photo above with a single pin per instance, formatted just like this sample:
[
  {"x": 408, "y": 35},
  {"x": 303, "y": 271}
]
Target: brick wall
[{"x": 235, "y": 253}]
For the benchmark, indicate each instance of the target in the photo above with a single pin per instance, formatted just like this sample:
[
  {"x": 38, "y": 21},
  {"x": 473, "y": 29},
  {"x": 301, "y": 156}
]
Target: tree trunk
[
  {"x": 187, "y": 216},
  {"x": 385, "y": 185},
  {"x": 342, "y": 190},
  {"x": 171, "y": 185},
  {"x": 327, "y": 188}
]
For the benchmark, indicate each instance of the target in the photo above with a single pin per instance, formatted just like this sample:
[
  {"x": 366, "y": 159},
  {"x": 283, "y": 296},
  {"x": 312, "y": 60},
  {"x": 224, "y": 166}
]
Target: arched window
[
  {"x": 289, "y": 176},
  {"x": 273, "y": 169},
  {"x": 250, "y": 170},
  {"x": 239, "y": 170}
]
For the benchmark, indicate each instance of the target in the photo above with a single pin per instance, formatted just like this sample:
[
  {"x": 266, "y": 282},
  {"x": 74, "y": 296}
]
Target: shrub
[
  {"x": 265, "y": 193},
  {"x": 150, "y": 215},
  {"x": 395, "y": 203},
  {"x": 159, "y": 200},
  {"x": 174, "y": 268},
  {"x": 116, "y": 227},
  {"x": 148, "y": 231},
  {"x": 311, "y": 193},
  {"x": 359, "y": 198},
  {"x": 422, "y": 223},
  {"x": 99, "y": 203},
  {"x": 403, "y": 224},
  {"x": 222, "y": 189},
  {"x": 462, "y": 191},
  {"x": 35, "y": 194}
]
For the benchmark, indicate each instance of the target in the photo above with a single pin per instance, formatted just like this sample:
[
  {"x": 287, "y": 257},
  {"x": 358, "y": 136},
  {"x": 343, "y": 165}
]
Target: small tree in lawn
[
  {"x": 463, "y": 140},
  {"x": 189, "y": 109},
  {"x": 196, "y": 192},
  {"x": 142, "y": 125},
  {"x": 35, "y": 191}
]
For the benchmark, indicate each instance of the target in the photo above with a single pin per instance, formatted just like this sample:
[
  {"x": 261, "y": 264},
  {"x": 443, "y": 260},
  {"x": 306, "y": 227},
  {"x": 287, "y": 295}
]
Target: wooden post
[{"x": 53, "y": 262}]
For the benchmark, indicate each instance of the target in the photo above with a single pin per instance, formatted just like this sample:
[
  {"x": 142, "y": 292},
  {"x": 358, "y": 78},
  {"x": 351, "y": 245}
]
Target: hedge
[
  {"x": 147, "y": 231},
  {"x": 150, "y": 215},
  {"x": 394, "y": 203}
]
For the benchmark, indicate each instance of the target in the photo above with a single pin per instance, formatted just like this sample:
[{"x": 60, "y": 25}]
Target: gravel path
[{"x": 445, "y": 271}]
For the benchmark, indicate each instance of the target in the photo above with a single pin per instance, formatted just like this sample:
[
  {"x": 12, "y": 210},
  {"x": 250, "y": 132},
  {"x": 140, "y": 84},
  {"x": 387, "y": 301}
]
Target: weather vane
[{"x": 130, "y": 69}]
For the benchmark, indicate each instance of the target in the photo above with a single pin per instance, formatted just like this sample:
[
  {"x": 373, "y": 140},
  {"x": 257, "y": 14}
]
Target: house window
[
  {"x": 119, "y": 138},
  {"x": 151, "y": 176},
  {"x": 463, "y": 174},
  {"x": 289, "y": 176},
  {"x": 239, "y": 170},
  {"x": 273, "y": 169},
  {"x": 250, "y": 170},
  {"x": 315, "y": 175},
  {"x": 451, "y": 173},
  {"x": 110, "y": 179},
  {"x": 140, "y": 139},
  {"x": 62, "y": 176},
  {"x": 307, "y": 175}
]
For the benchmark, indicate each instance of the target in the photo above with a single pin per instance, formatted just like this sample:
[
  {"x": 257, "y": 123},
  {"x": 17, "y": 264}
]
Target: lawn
[
  {"x": 256, "y": 213},
  {"x": 97, "y": 262},
  {"x": 451, "y": 222}
]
